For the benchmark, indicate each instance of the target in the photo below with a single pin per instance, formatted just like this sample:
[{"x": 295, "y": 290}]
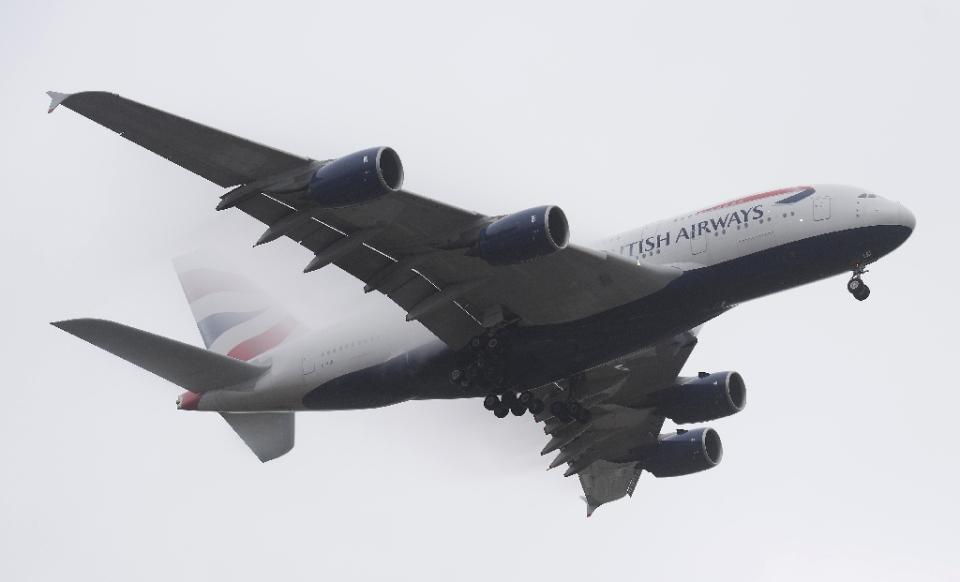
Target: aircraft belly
[
  {"x": 422, "y": 370},
  {"x": 545, "y": 353},
  {"x": 696, "y": 297}
]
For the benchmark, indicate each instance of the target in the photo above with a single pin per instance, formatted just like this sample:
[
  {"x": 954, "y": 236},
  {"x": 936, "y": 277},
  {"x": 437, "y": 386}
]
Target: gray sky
[{"x": 843, "y": 466}]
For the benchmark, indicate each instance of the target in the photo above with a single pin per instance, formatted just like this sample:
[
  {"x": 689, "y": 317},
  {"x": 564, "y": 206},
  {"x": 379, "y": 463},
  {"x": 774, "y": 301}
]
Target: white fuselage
[
  {"x": 750, "y": 225},
  {"x": 691, "y": 241}
]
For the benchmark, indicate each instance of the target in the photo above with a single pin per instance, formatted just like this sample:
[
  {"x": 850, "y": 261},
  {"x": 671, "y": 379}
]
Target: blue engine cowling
[
  {"x": 707, "y": 397},
  {"x": 523, "y": 236},
  {"x": 685, "y": 452},
  {"x": 357, "y": 178}
]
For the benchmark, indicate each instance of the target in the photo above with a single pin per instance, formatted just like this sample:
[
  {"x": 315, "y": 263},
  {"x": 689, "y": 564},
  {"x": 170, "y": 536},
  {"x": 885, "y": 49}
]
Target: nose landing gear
[{"x": 856, "y": 286}]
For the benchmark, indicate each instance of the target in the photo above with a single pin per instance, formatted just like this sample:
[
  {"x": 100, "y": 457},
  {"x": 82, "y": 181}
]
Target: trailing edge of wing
[{"x": 404, "y": 252}]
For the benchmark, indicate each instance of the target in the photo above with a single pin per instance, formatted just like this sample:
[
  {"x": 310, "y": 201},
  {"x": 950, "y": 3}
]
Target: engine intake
[
  {"x": 356, "y": 178},
  {"x": 704, "y": 398},
  {"x": 685, "y": 452},
  {"x": 523, "y": 236}
]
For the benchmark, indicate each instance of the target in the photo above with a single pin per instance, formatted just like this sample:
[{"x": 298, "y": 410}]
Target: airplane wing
[
  {"x": 614, "y": 396},
  {"x": 398, "y": 244}
]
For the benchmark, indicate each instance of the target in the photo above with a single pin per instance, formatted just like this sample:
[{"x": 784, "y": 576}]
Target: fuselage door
[
  {"x": 698, "y": 244},
  {"x": 307, "y": 366},
  {"x": 821, "y": 208}
]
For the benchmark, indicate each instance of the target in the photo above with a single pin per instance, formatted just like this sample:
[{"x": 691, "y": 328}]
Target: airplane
[{"x": 590, "y": 341}]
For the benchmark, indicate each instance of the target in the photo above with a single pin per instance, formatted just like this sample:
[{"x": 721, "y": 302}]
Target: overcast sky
[{"x": 843, "y": 466}]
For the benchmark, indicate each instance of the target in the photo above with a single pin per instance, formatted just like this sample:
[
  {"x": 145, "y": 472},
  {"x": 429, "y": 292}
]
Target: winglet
[{"x": 56, "y": 99}]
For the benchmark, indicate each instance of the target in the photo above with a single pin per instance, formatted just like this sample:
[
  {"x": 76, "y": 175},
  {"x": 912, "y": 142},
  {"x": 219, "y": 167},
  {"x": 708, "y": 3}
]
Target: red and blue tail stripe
[{"x": 233, "y": 316}]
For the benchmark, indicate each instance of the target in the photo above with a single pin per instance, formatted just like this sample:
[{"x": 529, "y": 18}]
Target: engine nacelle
[
  {"x": 523, "y": 236},
  {"x": 704, "y": 398},
  {"x": 357, "y": 178},
  {"x": 685, "y": 452}
]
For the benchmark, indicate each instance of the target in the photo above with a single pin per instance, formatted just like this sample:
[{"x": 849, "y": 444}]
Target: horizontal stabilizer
[
  {"x": 192, "y": 368},
  {"x": 268, "y": 434}
]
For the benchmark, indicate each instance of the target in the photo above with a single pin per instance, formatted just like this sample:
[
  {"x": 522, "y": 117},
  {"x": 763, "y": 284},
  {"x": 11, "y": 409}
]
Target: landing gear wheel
[
  {"x": 856, "y": 286},
  {"x": 501, "y": 411},
  {"x": 518, "y": 409},
  {"x": 491, "y": 402},
  {"x": 862, "y": 293}
]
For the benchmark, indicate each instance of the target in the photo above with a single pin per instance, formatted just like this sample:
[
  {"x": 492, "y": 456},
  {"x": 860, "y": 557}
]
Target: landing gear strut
[
  {"x": 482, "y": 363},
  {"x": 856, "y": 286}
]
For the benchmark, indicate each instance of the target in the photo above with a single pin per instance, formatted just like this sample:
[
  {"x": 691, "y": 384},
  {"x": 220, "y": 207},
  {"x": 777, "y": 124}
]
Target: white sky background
[{"x": 843, "y": 466}]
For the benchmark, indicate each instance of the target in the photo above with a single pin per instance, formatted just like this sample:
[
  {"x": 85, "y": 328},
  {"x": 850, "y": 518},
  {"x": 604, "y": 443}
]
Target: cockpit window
[{"x": 867, "y": 195}]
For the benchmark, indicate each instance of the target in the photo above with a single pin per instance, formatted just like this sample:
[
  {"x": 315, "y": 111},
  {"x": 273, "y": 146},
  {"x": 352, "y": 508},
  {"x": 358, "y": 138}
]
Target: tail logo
[{"x": 234, "y": 317}]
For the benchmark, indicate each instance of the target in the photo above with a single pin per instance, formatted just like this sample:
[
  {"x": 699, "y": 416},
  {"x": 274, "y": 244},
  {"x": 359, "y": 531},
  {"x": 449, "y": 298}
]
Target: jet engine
[
  {"x": 685, "y": 452},
  {"x": 523, "y": 236},
  {"x": 356, "y": 178},
  {"x": 707, "y": 397}
]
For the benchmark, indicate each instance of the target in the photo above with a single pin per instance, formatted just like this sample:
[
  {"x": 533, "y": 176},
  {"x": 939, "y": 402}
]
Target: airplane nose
[{"x": 907, "y": 218}]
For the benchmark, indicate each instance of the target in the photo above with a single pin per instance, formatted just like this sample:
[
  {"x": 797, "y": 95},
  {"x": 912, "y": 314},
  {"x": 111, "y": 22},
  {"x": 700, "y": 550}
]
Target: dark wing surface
[
  {"x": 617, "y": 425},
  {"x": 403, "y": 245},
  {"x": 223, "y": 158}
]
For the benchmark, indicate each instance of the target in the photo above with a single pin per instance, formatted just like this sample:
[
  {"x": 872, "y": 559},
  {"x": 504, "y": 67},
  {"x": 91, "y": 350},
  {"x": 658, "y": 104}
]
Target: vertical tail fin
[{"x": 234, "y": 317}]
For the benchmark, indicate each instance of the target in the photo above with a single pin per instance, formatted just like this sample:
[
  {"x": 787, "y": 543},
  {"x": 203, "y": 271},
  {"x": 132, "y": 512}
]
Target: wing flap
[
  {"x": 619, "y": 422},
  {"x": 604, "y": 482}
]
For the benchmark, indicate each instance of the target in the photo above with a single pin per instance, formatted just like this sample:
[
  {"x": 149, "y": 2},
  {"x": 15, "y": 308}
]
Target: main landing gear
[
  {"x": 518, "y": 404},
  {"x": 565, "y": 411},
  {"x": 569, "y": 409},
  {"x": 514, "y": 403},
  {"x": 482, "y": 364},
  {"x": 856, "y": 286}
]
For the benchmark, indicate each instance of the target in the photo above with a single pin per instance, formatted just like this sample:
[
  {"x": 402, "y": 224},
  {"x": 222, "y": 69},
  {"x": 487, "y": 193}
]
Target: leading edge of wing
[{"x": 218, "y": 156}]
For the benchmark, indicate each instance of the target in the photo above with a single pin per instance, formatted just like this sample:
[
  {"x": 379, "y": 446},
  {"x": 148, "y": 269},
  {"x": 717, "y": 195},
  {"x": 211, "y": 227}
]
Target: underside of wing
[
  {"x": 222, "y": 158},
  {"x": 604, "y": 482},
  {"x": 419, "y": 252},
  {"x": 600, "y": 442},
  {"x": 407, "y": 248}
]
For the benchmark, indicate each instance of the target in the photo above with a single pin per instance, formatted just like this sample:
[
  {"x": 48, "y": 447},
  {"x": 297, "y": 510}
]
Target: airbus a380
[{"x": 589, "y": 341}]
